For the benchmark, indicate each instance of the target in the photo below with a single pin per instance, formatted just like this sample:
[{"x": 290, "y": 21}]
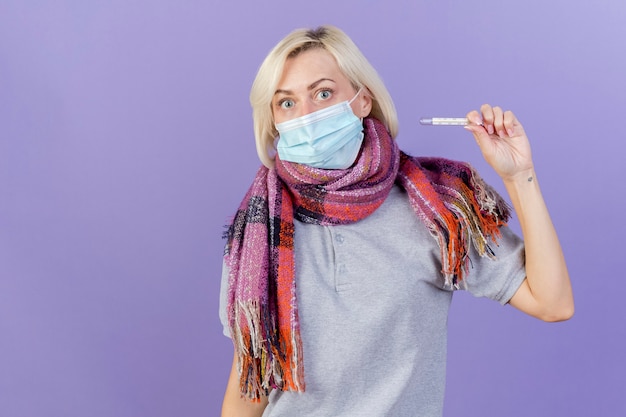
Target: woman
[{"x": 342, "y": 259}]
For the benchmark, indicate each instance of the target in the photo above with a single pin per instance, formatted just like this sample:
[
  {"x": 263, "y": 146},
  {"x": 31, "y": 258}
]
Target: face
[{"x": 312, "y": 81}]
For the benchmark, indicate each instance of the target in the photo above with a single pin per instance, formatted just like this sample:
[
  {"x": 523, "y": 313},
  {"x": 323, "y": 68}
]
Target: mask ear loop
[{"x": 355, "y": 96}]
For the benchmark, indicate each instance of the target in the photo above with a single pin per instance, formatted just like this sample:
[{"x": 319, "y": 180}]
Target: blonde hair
[{"x": 350, "y": 60}]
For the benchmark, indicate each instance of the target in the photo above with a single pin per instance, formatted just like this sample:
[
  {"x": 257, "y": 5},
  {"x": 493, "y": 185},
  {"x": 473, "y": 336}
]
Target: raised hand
[{"x": 502, "y": 141}]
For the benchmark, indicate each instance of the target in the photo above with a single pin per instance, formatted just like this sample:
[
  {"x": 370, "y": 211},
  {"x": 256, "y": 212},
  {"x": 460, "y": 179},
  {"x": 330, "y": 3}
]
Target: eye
[
  {"x": 286, "y": 103},
  {"x": 324, "y": 94}
]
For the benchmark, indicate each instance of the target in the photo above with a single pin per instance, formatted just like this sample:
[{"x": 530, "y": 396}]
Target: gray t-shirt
[{"x": 373, "y": 312}]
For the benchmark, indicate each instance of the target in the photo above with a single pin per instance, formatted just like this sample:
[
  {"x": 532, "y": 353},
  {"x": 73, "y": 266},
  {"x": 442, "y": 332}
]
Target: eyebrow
[{"x": 310, "y": 87}]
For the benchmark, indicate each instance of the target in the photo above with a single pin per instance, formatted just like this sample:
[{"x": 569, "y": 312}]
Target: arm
[
  {"x": 234, "y": 404},
  {"x": 546, "y": 293}
]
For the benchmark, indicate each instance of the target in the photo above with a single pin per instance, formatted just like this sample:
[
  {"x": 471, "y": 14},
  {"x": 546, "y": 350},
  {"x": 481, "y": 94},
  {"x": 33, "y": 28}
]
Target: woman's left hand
[{"x": 502, "y": 141}]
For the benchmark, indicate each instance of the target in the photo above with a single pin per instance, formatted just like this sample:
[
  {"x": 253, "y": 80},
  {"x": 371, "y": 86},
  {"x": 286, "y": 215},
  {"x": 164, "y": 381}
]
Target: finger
[
  {"x": 509, "y": 122},
  {"x": 498, "y": 121},
  {"x": 474, "y": 117},
  {"x": 488, "y": 117}
]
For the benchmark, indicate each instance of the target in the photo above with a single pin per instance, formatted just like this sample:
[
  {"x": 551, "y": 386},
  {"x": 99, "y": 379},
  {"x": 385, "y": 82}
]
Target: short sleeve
[
  {"x": 224, "y": 300},
  {"x": 499, "y": 278}
]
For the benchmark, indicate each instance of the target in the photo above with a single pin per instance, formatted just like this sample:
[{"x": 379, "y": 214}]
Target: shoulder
[
  {"x": 443, "y": 171},
  {"x": 437, "y": 166},
  {"x": 458, "y": 180}
]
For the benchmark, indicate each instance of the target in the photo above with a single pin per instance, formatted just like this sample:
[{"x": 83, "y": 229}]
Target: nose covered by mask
[{"x": 329, "y": 138}]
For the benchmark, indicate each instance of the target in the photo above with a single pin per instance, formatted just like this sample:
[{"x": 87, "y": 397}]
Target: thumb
[{"x": 475, "y": 126}]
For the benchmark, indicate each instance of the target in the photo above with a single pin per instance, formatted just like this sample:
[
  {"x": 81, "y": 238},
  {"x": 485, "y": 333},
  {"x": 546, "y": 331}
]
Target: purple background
[{"x": 126, "y": 143}]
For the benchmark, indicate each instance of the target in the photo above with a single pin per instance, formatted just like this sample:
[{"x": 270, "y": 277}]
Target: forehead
[{"x": 309, "y": 66}]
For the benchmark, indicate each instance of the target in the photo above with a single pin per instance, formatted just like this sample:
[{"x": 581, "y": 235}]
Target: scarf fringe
[{"x": 262, "y": 365}]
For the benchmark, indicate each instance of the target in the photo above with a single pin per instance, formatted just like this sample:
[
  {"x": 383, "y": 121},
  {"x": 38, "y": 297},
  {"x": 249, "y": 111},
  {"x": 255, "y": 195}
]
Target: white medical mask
[{"x": 329, "y": 138}]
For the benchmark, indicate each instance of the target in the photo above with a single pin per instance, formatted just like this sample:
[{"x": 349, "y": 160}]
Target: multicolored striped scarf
[{"x": 456, "y": 205}]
